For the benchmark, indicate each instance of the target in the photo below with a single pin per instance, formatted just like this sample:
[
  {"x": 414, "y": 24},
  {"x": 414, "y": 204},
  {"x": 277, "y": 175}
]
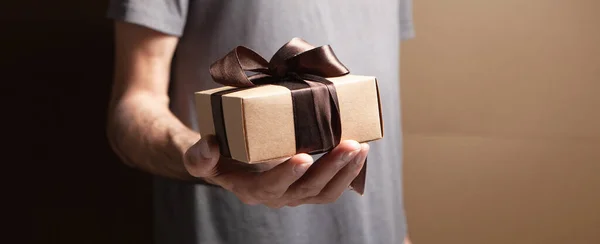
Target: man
[{"x": 163, "y": 51}]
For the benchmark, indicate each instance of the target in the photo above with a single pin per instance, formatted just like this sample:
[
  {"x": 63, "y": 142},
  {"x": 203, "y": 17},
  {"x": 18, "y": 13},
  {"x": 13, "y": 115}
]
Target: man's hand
[{"x": 293, "y": 182}]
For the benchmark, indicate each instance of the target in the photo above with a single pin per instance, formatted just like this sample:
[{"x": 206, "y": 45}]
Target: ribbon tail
[{"x": 358, "y": 184}]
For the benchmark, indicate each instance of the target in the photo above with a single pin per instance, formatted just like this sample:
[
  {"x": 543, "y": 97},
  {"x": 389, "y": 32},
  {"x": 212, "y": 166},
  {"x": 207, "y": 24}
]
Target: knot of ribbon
[{"x": 302, "y": 68}]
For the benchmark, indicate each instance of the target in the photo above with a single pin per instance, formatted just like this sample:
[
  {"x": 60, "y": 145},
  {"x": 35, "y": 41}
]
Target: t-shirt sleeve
[
  {"x": 407, "y": 29},
  {"x": 166, "y": 16}
]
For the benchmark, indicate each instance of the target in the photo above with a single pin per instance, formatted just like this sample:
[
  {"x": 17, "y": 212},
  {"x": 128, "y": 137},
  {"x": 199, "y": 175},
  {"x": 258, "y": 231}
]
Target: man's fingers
[
  {"x": 339, "y": 184},
  {"x": 272, "y": 184},
  {"x": 295, "y": 179},
  {"x": 342, "y": 180},
  {"x": 323, "y": 171},
  {"x": 201, "y": 159},
  {"x": 254, "y": 188}
]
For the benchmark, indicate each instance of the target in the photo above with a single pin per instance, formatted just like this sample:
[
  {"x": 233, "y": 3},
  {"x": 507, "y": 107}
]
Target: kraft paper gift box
[{"x": 281, "y": 110}]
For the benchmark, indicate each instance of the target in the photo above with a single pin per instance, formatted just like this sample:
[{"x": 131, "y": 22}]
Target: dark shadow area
[{"x": 57, "y": 64}]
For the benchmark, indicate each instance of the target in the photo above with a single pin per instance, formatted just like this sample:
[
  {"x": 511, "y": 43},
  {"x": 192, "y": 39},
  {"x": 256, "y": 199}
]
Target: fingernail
[
  {"x": 364, "y": 146},
  {"x": 350, "y": 155},
  {"x": 205, "y": 149},
  {"x": 301, "y": 168},
  {"x": 359, "y": 160}
]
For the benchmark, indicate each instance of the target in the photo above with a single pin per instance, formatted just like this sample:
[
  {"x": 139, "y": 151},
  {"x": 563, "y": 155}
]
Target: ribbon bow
[{"x": 300, "y": 67}]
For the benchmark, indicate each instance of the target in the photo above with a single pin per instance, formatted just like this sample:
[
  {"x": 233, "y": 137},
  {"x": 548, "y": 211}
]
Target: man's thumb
[{"x": 201, "y": 158}]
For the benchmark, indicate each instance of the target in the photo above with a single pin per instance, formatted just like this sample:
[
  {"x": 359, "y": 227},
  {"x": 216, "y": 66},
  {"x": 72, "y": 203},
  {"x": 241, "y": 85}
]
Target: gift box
[{"x": 304, "y": 100}]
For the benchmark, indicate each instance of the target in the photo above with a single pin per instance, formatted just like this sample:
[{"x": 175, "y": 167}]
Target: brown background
[{"x": 501, "y": 108}]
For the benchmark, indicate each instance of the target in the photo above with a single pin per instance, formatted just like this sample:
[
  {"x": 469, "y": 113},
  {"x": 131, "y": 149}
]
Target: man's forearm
[{"x": 146, "y": 135}]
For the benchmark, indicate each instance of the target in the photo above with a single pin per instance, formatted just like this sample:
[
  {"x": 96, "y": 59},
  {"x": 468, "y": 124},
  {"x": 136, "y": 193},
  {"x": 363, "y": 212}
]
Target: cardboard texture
[
  {"x": 260, "y": 122},
  {"x": 501, "y": 122}
]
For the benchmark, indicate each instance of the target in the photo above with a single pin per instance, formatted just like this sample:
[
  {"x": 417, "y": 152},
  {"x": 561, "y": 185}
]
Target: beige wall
[{"x": 501, "y": 108}]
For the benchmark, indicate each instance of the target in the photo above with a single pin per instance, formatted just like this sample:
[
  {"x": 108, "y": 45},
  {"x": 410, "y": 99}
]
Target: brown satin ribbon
[{"x": 301, "y": 68}]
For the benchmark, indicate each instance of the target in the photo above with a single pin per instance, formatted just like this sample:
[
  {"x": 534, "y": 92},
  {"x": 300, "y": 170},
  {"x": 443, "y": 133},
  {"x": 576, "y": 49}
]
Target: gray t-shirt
[{"x": 365, "y": 36}]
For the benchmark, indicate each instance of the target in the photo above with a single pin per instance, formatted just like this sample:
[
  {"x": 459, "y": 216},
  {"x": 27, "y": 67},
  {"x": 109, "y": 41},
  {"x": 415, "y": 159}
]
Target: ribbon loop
[
  {"x": 231, "y": 69},
  {"x": 320, "y": 61},
  {"x": 277, "y": 64}
]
